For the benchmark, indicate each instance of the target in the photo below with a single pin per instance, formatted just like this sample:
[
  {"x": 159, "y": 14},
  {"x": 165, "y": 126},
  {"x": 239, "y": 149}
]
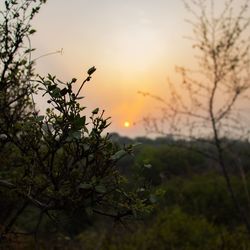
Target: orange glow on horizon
[{"x": 137, "y": 54}]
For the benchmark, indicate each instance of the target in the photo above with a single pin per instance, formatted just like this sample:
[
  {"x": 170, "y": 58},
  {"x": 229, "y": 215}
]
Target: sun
[{"x": 126, "y": 124}]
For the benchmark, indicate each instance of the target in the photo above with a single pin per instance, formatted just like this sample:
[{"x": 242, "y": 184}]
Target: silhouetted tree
[
  {"x": 60, "y": 161},
  {"x": 209, "y": 104}
]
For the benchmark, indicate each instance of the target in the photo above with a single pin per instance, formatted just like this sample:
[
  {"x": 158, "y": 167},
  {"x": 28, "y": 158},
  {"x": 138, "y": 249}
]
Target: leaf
[
  {"x": 147, "y": 165},
  {"x": 47, "y": 128},
  {"x": 55, "y": 92},
  {"x": 86, "y": 146},
  {"x": 136, "y": 144},
  {"x": 79, "y": 122},
  {"x": 40, "y": 118},
  {"x": 51, "y": 87},
  {"x": 75, "y": 135},
  {"x": 46, "y": 83},
  {"x": 32, "y": 31},
  {"x": 85, "y": 129},
  {"x": 85, "y": 186},
  {"x": 95, "y": 111},
  {"x": 153, "y": 199},
  {"x": 29, "y": 50},
  {"x": 118, "y": 154},
  {"x": 64, "y": 91},
  {"x": 51, "y": 78},
  {"x": 100, "y": 189}
]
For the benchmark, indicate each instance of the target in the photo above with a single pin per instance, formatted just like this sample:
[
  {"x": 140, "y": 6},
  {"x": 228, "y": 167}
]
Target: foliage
[
  {"x": 205, "y": 195},
  {"x": 60, "y": 161},
  {"x": 172, "y": 229},
  {"x": 15, "y": 63},
  {"x": 60, "y": 169},
  {"x": 166, "y": 161},
  {"x": 193, "y": 211}
]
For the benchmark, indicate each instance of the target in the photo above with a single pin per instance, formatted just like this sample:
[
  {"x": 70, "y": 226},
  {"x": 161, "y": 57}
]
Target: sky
[{"x": 134, "y": 44}]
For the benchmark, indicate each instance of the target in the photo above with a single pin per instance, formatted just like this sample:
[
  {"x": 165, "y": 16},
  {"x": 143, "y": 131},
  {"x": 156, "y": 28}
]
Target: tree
[
  {"x": 60, "y": 161},
  {"x": 208, "y": 106}
]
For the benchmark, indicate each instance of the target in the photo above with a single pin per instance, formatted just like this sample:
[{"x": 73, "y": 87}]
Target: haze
[{"x": 134, "y": 44}]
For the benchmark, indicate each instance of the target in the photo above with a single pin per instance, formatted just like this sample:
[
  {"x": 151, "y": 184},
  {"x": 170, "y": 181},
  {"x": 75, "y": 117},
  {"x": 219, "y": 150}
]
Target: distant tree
[
  {"x": 209, "y": 104},
  {"x": 60, "y": 161}
]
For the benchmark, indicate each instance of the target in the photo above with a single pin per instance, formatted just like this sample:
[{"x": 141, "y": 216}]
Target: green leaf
[
  {"x": 136, "y": 144},
  {"x": 51, "y": 78},
  {"x": 85, "y": 186},
  {"x": 55, "y": 92},
  {"x": 64, "y": 91},
  {"x": 40, "y": 118},
  {"x": 32, "y": 31},
  {"x": 77, "y": 135},
  {"x": 85, "y": 129},
  {"x": 95, "y": 111},
  {"x": 118, "y": 154},
  {"x": 153, "y": 199},
  {"x": 147, "y": 165},
  {"x": 74, "y": 135},
  {"x": 100, "y": 189},
  {"x": 51, "y": 87},
  {"x": 29, "y": 50},
  {"x": 79, "y": 122}
]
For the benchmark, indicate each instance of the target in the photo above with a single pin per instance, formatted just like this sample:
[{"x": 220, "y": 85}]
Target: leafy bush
[
  {"x": 171, "y": 229},
  {"x": 60, "y": 161},
  {"x": 205, "y": 195}
]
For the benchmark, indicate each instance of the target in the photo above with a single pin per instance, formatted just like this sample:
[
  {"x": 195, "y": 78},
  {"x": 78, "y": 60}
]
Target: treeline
[{"x": 193, "y": 209}]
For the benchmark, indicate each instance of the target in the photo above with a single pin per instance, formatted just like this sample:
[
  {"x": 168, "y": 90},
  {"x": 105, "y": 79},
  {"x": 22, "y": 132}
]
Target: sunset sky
[{"x": 134, "y": 44}]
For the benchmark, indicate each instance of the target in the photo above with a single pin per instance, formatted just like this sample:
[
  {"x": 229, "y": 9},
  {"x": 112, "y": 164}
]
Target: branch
[{"x": 6, "y": 184}]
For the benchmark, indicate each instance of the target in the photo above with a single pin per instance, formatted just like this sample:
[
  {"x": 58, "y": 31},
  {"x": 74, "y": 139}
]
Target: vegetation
[
  {"x": 209, "y": 105},
  {"x": 66, "y": 184},
  {"x": 193, "y": 208},
  {"x": 57, "y": 162}
]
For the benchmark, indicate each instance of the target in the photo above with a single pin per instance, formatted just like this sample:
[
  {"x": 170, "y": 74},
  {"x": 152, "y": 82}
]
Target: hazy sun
[{"x": 126, "y": 124}]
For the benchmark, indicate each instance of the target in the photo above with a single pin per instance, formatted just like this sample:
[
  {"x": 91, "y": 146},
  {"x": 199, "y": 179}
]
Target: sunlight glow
[{"x": 126, "y": 124}]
